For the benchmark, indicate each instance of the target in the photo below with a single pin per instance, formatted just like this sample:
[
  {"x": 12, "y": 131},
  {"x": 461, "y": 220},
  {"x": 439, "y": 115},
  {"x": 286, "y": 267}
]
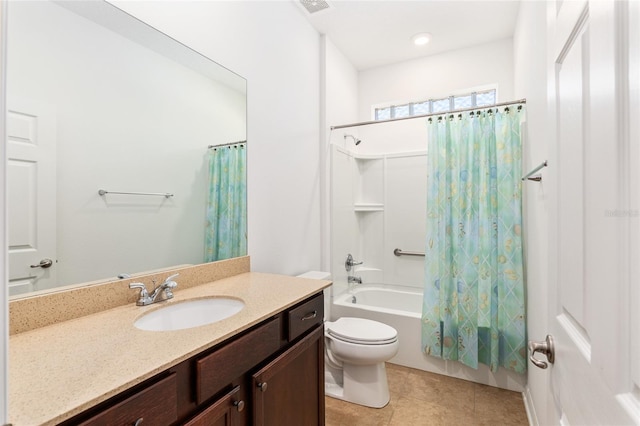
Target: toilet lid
[{"x": 363, "y": 331}]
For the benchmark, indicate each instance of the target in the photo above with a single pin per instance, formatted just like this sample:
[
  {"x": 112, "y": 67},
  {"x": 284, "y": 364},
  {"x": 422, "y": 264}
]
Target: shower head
[{"x": 355, "y": 140}]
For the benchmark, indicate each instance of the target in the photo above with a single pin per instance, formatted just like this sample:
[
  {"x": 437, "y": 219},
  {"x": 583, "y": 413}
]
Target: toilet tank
[{"x": 321, "y": 275}]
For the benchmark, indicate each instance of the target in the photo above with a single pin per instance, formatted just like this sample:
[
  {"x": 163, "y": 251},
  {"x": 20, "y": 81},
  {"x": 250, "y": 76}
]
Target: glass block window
[
  {"x": 401, "y": 111},
  {"x": 420, "y": 108},
  {"x": 383, "y": 113},
  {"x": 441, "y": 105},
  {"x": 465, "y": 101},
  {"x": 486, "y": 98},
  {"x": 468, "y": 100}
]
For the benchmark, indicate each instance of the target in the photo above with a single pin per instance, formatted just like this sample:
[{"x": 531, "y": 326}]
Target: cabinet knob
[
  {"x": 263, "y": 386},
  {"x": 239, "y": 405},
  {"x": 138, "y": 422}
]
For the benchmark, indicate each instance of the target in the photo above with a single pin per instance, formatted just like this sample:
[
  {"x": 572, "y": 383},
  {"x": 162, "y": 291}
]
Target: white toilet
[{"x": 355, "y": 352}]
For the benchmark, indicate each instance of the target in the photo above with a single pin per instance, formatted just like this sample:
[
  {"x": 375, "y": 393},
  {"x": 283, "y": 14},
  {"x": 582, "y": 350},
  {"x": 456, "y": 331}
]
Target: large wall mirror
[{"x": 99, "y": 100}]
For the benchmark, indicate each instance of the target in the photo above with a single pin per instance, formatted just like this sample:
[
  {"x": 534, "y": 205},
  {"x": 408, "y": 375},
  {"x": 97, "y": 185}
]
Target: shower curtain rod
[
  {"x": 431, "y": 114},
  {"x": 227, "y": 144}
]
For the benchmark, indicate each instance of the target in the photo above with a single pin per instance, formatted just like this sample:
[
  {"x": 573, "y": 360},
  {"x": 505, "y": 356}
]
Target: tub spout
[{"x": 354, "y": 280}]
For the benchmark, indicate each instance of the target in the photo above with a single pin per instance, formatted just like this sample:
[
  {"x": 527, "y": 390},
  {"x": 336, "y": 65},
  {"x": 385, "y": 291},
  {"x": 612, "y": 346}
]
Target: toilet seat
[{"x": 361, "y": 331}]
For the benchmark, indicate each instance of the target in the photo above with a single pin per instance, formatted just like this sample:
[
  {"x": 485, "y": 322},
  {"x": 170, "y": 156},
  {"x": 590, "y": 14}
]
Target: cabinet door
[
  {"x": 290, "y": 389},
  {"x": 223, "y": 412}
]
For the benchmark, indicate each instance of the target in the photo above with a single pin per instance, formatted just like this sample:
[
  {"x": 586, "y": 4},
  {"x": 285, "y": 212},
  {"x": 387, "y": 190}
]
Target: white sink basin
[{"x": 192, "y": 313}]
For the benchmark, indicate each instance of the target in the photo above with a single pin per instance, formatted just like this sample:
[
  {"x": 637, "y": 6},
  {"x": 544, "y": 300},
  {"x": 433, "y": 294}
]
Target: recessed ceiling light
[{"x": 421, "y": 39}]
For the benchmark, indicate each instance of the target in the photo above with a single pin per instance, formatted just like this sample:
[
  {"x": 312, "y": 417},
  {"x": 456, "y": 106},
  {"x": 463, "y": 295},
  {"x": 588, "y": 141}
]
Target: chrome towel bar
[
  {"x": 164, "y": 194},
  {"x": 399, "y": 252},
  {"x": 537, "y": 178}
]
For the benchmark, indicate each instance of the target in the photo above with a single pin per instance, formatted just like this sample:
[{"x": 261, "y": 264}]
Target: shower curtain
[
  {"x": 226, "y": 215},
  {"x": 473, "y": 308}
]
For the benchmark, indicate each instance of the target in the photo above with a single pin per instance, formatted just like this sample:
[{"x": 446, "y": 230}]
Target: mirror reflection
[{"x": 98, "y": 100}]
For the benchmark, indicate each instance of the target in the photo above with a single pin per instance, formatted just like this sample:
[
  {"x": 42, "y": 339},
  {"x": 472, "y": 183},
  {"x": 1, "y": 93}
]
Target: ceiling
[{"x": 378, "y": 32}]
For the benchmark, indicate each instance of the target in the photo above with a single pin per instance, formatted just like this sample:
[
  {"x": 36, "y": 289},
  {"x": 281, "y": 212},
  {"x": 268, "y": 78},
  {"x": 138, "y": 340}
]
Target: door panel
[
  {"x": 589, "y": 271},
  {"x": 31, "y": 180}
]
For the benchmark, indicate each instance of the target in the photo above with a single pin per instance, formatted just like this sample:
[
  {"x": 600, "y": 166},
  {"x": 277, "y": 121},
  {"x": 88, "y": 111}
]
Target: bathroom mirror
[{"x": 98, "y": 100}]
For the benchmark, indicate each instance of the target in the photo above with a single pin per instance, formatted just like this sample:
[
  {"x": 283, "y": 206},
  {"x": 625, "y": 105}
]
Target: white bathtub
[
  {"x": 396, "y": 300},
  {"x": 401, "y": 308}
]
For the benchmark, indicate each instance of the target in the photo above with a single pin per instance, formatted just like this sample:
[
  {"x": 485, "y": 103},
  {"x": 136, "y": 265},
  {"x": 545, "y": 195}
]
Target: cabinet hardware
[
  {"x": 263, "y": 386},
  {"x": 310, "y": 315},
  {"x": 138, "y": 422},
  {"x": 239, "y": 405}
]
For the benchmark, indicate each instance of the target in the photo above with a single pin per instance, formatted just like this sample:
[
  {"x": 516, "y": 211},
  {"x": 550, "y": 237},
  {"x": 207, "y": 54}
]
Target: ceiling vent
[{"x": 315, "y": 6}]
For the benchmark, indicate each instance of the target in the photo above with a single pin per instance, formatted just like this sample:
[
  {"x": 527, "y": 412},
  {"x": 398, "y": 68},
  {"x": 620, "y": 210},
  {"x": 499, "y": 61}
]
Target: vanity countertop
[{"x": 58, "y": 371}]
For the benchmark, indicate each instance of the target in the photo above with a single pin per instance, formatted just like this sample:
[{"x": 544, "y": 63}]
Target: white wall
[
  {"x": 531, "y": 83},
  {"x": 4, "y": 292},
  {"x": 438, "y": 76},
  {"x": 276, "y": 50},
  {"x": 340, "y": 91}
]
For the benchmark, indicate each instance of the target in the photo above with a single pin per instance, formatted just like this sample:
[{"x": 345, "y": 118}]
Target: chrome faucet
[
  {"x": 354, "y": 280},
  {"x": 147, "y": 299}
]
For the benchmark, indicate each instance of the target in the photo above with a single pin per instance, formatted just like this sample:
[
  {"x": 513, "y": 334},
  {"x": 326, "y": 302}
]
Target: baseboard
[{"x": 529, "y": 407}]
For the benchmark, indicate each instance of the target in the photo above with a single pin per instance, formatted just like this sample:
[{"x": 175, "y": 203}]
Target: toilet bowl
[{"x": 355, "y": 352}]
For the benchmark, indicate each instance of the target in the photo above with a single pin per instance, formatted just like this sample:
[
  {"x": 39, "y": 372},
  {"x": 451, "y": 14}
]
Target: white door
[
  {"x": 31, "y": 180},
  {"x": 589, "y": 179}
]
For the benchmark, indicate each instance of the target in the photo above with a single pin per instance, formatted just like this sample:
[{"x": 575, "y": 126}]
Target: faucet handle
[
  {"x": 142, "y": 287},
  {"x": 169, "y": 281},
  {"x": 168, "y": 285},
  {"x": 144, "y": 295},
  {"x": 350, "y": 263}
]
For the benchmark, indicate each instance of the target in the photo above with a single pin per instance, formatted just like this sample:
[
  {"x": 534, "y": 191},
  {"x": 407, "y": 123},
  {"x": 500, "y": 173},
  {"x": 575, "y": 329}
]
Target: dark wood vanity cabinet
[
  {"x": 271, "y": 374},
  {"x": 290, "y": 389}
]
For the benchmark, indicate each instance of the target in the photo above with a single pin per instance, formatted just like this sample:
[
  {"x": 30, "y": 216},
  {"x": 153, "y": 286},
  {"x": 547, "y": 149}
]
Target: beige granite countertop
[{"x": 58, "y": 371}]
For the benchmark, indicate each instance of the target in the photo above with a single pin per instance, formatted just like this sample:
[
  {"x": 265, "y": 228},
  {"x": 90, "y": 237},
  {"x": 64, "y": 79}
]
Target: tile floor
[{"x": 422, "y": 398}]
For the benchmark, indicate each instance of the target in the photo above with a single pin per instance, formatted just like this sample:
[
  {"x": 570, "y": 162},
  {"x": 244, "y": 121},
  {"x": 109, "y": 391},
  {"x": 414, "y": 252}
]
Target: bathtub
[
  {"x": 393, "y": 300},
  {"x": 401, "y": 308}
]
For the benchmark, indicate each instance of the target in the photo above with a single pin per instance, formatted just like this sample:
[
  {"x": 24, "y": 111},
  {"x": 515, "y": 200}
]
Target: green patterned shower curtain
[
  {"x": 226, "y": 215},
  {"x": 473, "y": 308}
]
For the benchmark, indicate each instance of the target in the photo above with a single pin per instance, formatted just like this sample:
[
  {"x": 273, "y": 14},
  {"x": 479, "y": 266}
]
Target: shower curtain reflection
[{"x": 226, "y": 215}]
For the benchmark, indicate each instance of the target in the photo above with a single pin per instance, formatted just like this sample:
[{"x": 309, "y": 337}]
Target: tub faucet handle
[{"x": 350, "y": 263}]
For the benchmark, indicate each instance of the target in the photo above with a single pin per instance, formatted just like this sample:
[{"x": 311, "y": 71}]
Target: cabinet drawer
[
  {"x": 155, "y": 404},
  {"x": 305, "y": 316},
  {"x": 219, "y": 368}
]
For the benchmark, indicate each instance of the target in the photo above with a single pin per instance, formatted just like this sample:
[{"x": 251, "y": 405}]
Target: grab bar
[
  {"x": 164, "y": 194},
  {"x": 537, "y": 178},
  {"x": 399, "y": 252}
]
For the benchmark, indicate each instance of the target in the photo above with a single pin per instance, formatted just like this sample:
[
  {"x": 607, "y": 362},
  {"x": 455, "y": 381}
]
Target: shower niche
[
  {"x": 368, "y": 207},
  {"x": 368, "y": 179}
]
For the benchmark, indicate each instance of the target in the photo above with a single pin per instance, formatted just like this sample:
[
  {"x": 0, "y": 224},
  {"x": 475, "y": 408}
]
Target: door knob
[
  {"x": 547, "y": 348},
  {"x": 44, "y": 264}
]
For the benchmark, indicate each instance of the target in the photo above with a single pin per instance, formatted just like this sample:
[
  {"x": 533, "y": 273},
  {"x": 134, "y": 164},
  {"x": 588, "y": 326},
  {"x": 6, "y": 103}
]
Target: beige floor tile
[
  {"x": 454, "y": 393},
  {"x": 341, "y": 413},
  {"x": 417, "y": 413},
  {"x": 498, "y": 406},
  {"x": 421, "y": 398}
]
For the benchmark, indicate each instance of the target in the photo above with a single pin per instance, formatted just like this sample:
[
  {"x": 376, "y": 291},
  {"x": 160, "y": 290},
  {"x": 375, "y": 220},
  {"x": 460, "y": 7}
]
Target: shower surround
[{"x": 378, "y": 204}]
